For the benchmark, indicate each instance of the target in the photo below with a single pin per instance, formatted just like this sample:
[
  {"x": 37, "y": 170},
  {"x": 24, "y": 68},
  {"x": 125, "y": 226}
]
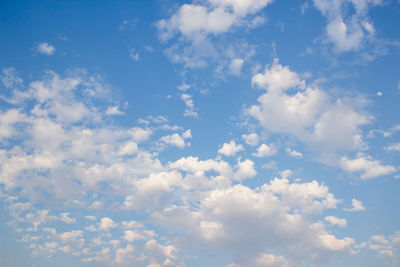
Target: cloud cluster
[
  {"x": 329, "y": 127},
  {"x": 348, "y": 24},
  {"x": 196, "y": 25},
  {"x": 60, "y": 149}
]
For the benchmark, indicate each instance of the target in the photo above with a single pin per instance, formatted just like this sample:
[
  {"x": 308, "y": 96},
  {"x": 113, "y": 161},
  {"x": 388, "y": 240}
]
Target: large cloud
[
  {"x": 77, "y": 162},
  {"x": 329, "y": 127},
  {"x": 347, "y": 30}
]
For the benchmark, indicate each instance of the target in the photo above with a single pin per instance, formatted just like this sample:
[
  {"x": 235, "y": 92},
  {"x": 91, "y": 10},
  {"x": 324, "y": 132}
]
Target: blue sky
[{"x": 200, "y": 133}]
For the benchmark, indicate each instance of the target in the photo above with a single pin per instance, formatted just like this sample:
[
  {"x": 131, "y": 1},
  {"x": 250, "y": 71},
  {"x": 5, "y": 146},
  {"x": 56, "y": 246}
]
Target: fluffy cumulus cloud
[
  {"x": 54, "y": 151},
  {"x": 45, "y": 49},
  {"x": 329, "y": 127},
  {"x": 265, "y": 150},
  {"x": 369, "y": 168},
  {"x": 348, "y": 24},
  {"x": 356, "y": 205},
  {"x": 251, "y": 139},
  {"x": 230, "y": 149},
  {"x": 198, "y": 23}
]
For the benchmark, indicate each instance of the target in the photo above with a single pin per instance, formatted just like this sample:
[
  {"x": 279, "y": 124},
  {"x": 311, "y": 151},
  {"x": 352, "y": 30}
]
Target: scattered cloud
[
  {"x": 336, "y": 221},
  {"x": 133, "y": 54},
  {"x": 356, "y": 206},
  {"x": 348, "y": 24},
  {"x": 251, "y": 139},
  {"x": 190, "y": 108},
  {"x": 294, "y": 153},
  {"x": 114, "y": 110},
  {"x": 265, "y": 150},
  {"x": 369, "y": 168},
  {"x": 393, "y": 147},
  {"x": 46, "y": 49},
  {"x": 236, "y": 66},
  {"x": 230, "y": 149}
]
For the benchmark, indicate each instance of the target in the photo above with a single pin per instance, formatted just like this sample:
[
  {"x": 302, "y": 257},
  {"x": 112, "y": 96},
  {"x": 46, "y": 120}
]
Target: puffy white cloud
[
  {"x": 330, "y": 128},
  {"x": 332, "y": 243},
  {"x": 114, "y": 110},
  {"x": 65, "y": 218},
  {"x": 197, "y": 24},
  {"x": 46, "y": 49},
  {"x": 215, "y": 17},
  {"x": 201, "y": 201},
  {"x": 235, "y": 66},
  {"x": 71, "y": 237},
  {"x": 348, "y": 25},
  {"x": 265, "y": 150},
  {"x": 10, "y": 78},
  {"x": 190, "y": 108},
  {"x": 244, "y": 170},
  {"x": 176, "y": 139},
  {"x": 386, "y": 247},
  {"x": 230, "y": 149},
  {"x": 369, "y": 168},
  {"x": 106, "y": 224},
  {"x": 132, "y": 236},
  {"x": 8, "y": 122},
  {"x": 132, "y": 224},
  {"x": 154, "y": 191},
  {"x": 356, "y": 206},
  {"x": 139, "y": 134},
  {"x": 294, "y": 153},
  {"x": 251, "y": 139},
  {"x": 393, "y": 147},
  {"x": 269, "y": 260},
  {"x": 128, "y": 148},
  {"x": 336, "y": 221},
  {"x": 133, "y": 54},
  {"x": 158, "y": 251}
]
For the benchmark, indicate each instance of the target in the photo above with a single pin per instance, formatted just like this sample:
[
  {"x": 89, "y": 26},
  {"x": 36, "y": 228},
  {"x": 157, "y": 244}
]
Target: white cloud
[
  {"x": 356, "y": 206},
  {"x": 348, "y": 25},
  {"x": 10, "y": 78},
  {"x": 114, "y": 110},
  {"x": 176, "y": 139},
  {"x": 190, "y": 109},
  {"x": 230, "y": 149},
  {"x": 251, "y": 139},
  {"x": 133, "y": 54},
  {"x": 139, "y": 134},
  {"x": 270, "y": 260},
  {"x": 265, "y": 150},
  {"x": 128, "y": 149},
  {"x": 393, "y": 147},
  {"x": 332, "y": 243},
  {"x": 184, "y": 87},
  {"x": 386, "y": 247},
  {"x": 294, "y": 153},
  {"x": 153, "y": 192},
  {"x": 65, "y": 218},
  {"x": 328, "y": 127},
  {"x": 197, "y": 24},
  {"x": 46, "y": 49},
  {"x": 106, "y": 224},
  {"x": 369, "y": 168},
  {"x": 236, "y": 66},
  {"x": 8, "y": 122},
  {"x": 132, "y": 236},
  {"x": 244, "y": 170},
  {"x": 336, "y": 221},
  {"x": 112, "y": 168}
]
